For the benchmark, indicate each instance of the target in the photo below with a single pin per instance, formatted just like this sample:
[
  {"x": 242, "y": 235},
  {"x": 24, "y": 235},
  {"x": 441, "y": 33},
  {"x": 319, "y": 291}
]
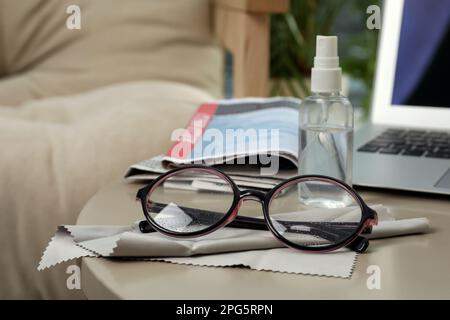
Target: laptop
[{"x": 406, "y": 145}]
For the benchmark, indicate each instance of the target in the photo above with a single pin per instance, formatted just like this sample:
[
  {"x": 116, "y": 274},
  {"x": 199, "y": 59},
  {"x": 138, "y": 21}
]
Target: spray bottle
[{"x": 325, "y": 126}]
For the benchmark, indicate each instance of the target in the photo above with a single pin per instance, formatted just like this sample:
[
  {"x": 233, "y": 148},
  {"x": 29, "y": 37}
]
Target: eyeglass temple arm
[
  {"x": 325, "y": 230},
  {"x": 321, "y": 229},
  {"x": 359, "y": 244},
  {"x": 333, "y": 228}
]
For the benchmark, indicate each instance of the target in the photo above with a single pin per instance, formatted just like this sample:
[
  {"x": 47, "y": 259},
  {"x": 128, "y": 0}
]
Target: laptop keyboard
[{"x": 413, "y": 143}]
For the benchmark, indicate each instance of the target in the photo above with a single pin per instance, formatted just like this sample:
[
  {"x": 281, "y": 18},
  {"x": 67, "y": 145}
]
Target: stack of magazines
[{"x": 255, "y": 141}]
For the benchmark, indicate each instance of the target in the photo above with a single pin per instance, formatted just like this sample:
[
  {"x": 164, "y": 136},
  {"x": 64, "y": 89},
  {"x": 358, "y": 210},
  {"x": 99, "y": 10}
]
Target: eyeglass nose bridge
[{"x": 252, "y": 195}]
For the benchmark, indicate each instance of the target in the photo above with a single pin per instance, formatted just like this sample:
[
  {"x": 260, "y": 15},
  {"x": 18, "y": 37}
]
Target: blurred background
[
  {"x": 88, "y": 88},
  {"x": 292, "y": 48}
]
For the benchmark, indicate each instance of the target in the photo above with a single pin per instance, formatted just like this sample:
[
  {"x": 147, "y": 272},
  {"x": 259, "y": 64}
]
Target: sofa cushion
[
  {"x": 60, "y": 151},
  {"x": 118, "y": 41}
]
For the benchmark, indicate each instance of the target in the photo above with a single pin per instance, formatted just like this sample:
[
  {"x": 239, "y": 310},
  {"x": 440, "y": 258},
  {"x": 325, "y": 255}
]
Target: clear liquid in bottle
[
  {"x": 325, "y": 151},
  {"x": 325, "y": 131}
]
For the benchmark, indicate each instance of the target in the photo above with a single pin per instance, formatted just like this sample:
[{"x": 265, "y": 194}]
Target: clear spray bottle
[{"x": 325, "y": 128}]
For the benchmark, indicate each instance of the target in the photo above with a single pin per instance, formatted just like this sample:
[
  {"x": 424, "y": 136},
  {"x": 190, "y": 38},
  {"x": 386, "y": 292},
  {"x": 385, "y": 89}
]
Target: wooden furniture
[
  {"x": 243, "y": 27},
  {"x": 411, "y": 267}
]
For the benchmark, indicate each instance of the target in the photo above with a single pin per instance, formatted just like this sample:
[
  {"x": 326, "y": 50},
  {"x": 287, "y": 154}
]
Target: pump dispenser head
[{"x": 326, "y": 75}]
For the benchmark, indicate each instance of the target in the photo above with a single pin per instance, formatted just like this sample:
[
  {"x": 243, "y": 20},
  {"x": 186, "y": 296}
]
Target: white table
[{"x": 412, "y": 267}]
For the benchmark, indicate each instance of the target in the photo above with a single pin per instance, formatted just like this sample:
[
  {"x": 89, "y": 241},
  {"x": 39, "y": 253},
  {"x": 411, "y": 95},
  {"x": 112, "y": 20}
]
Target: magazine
[{"x": 255, "y": 141}]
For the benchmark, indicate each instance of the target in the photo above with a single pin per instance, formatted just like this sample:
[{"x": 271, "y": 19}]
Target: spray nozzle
[
  {"x": 326, "y": 46},
  {"x": 326, "y": 52},
  {"x": 326, "y": 74}
]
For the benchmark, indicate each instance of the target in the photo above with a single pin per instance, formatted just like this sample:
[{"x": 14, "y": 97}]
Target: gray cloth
[{"x": 259, "y": 250}]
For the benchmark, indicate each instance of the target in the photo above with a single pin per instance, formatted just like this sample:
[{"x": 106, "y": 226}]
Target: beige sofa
[{"x": 78, "y": 106}]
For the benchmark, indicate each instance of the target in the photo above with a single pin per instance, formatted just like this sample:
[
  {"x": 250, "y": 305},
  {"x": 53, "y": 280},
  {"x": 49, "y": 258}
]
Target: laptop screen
[{"x": 422, "y": 76}]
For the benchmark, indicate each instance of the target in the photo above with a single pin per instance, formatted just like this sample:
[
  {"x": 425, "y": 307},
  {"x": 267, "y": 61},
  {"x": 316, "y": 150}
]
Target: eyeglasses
[{"x": 311, "y": 213}]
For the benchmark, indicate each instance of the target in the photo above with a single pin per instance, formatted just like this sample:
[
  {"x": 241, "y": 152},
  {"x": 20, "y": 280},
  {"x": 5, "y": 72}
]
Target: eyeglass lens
[
  {"x": 315, "y": 213},
  {"x": 190, "y": 201}
]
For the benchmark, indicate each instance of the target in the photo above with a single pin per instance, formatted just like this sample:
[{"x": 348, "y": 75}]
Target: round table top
[{"x": 411, "y": 267}]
